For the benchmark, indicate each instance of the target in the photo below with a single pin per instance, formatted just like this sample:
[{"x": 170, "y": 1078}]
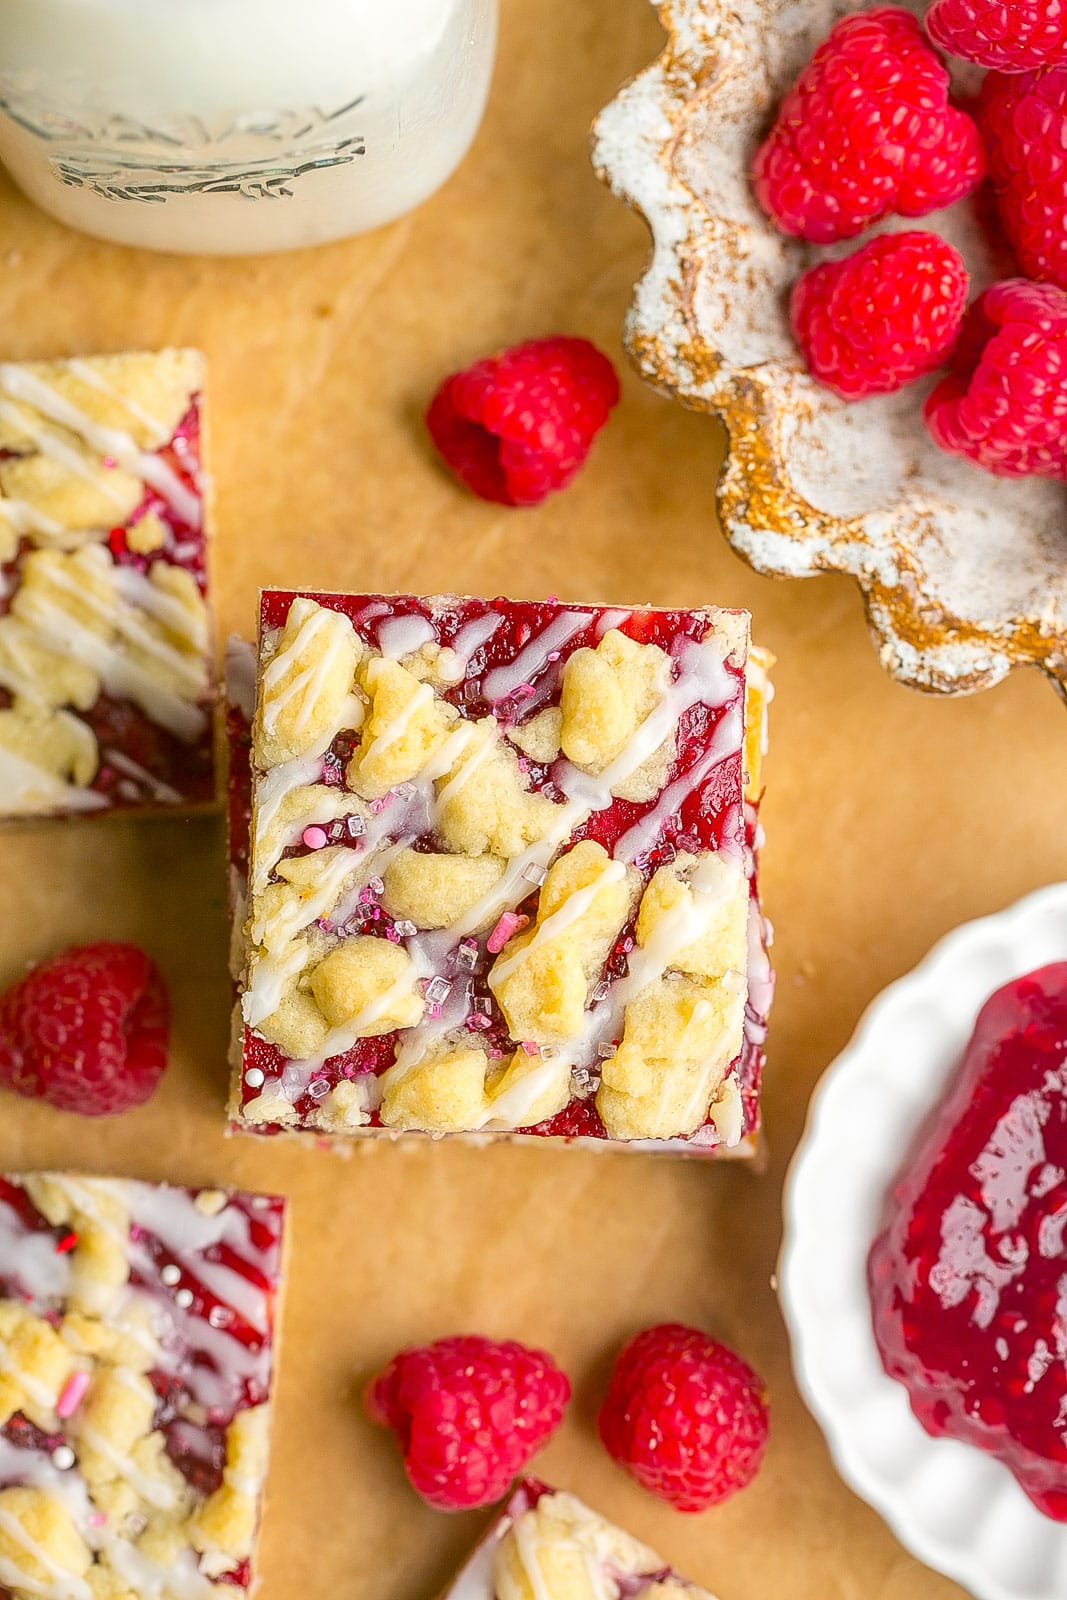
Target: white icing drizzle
[
  {"x": 726, "y": 741},
  {"x": 611, "y": 619},
  {"x": 395, "y": 730},
  {"x": 156, "y": 1491},
  {"x": 309, "y": 683},
  {"x": 155, "y": 786},
  {"x": 469, "y": 640},
  {"x": 26, "y": 386},
  {"x": 534, "y": 656},
  {"x": 402, "y": 636},
  {"x": 31, "y": 1259},
  {"x": 513, "y": 1108},
  {"x": 67, "y": 1585},
  {"x": 554, "y": 926},
  {"x": 88, "y": 373},
  {"x": 26, "y": 518},
  {"x": 57, "y": 449},
  {"x": 37, "y": 1391},
  {"x": 29, "y": 790},
  {"x": 139, "y": 590}
]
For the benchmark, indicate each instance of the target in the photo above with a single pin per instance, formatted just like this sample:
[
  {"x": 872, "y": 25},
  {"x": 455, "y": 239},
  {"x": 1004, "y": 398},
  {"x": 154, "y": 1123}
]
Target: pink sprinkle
[
  {"x": 73, "y": 1394},
  {"x": 509, "y": 923},
  {"x": 314, "y": 838},
  {"x": 109, "y": 461},
  {"x": 97, "y": 1519},
  {"x": 531, "y": 1048},
  {"x": 478, "y": 1024},
  {"x": 378, "y": 806}
]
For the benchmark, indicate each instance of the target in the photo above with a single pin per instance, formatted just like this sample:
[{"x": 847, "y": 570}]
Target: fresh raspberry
[
  {"x": 881, "y": 317},
  {"x": 1023, "y": 117},
  {"x": 1003, "y": 404},
  {"x": 866, "y": 130},
  {"x": 1008, "y": 35},
  {"x": 87, "y": 1030},
  {"x": 685, "y": 1416},
  {"x": 469, "y": 1413},
  {"x": 519, "y": 424}
]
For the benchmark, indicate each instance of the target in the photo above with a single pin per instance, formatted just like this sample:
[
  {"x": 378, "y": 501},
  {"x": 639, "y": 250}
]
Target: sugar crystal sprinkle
[
  {"x": 534, "y": 874},
  {"x": 406, "y": 930},
  {"x": 437, "y": 990},
  {"x": 318, "y": 1089}
]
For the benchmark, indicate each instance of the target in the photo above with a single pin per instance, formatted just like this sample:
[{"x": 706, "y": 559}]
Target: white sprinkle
[
  {"x": 184, "y": 1298},
  {"x": 254, "y": 1078},
  {"x": 63, "y": 1457},
  {"x": 171, "y": 1275}
]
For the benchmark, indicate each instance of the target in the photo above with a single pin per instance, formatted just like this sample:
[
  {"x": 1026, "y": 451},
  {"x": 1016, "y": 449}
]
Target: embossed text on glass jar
[{"x": 237, "y": 126}]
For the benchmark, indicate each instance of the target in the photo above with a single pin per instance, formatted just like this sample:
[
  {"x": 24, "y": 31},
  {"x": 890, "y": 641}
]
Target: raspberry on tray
[
  {"x": 546, "y": 1542},
  {"x": 105, "y": 648},
  {"x": 501, "y": 873},
  {"x": 136, "y": 1324}
]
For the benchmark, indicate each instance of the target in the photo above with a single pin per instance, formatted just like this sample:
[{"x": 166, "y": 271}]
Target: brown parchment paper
[{"x": 890, "y": 819}]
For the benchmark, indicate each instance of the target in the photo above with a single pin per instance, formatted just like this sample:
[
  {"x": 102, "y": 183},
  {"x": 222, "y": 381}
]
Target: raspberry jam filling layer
[
  {"x": 969, "y": 1279},
  {"x": 508, "y": 660},
  {"x": 192, "y": 1311}
]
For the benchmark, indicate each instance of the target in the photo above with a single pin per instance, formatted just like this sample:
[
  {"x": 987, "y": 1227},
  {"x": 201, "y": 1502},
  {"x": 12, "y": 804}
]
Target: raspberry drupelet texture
[
  {"x": 881, "y": 317},
  {"x": 866, "y": 130},
  {"x": 518, "y": 425},
  {"x": 469, "y": 1413},
  {"x": 1006, "y": 35},
  {"x": 87, "y": 1030},
  {"x": 685, "y": 1416},
  {"x": 1003, "y": 404},
  {"x": 1023, "y": 117}
]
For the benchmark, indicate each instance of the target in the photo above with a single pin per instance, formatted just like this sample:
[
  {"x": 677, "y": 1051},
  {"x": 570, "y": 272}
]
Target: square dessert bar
[
  {"x": 105, "y": 647},
  {"x": 547, "y": 1545},
  {"x": 501, "y": 872},
  {"x": 136, "y": 1327}
]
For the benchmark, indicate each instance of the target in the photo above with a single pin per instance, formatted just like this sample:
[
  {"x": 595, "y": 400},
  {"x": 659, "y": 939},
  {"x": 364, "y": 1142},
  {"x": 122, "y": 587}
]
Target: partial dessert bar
[
  {"x": 501, "y": 874},
  {"x": 105, "y": 640},
  {"x": 136, "y": 1331},
  {"x": 547, "y": 1545}
]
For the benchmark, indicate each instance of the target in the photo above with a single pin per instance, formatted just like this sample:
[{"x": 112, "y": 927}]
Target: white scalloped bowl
[{"x": 954, "y": 1507}]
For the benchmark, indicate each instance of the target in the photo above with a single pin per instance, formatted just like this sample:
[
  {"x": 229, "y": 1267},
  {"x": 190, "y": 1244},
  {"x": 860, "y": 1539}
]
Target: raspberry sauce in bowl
[{"x": 968, "y": 1278}]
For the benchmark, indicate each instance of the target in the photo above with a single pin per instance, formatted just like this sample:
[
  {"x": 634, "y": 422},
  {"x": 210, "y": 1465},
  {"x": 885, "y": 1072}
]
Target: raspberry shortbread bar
[
  {"x": 501, "y": 875},
  {"x": 136, "y": 1327},
  {"x": 547, "y": 1545},
  {"x": 105, "y": 650}
]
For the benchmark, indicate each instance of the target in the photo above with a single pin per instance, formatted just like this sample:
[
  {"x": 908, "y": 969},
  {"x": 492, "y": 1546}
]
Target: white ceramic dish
[{"x": 954, "y": 1507}]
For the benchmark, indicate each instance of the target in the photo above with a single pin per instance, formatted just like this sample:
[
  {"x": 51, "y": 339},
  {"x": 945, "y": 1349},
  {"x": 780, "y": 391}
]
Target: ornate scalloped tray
[{"x": 964, "y": 575}]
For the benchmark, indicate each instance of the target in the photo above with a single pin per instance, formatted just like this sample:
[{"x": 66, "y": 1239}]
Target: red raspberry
[
  {"x": 685, "y": 1416},
  {"x": 87, "y": 1030},
  {"x": 881, "y": 317},
  {"x": 866, "y": 130},
  {"x": 469, "y": 1413},
  {"x": 519, "y": 424},
  {"x": 1023, "y": 118},
  {"x": 1004, "y": 402},
  {"x": 1009, "y": 35}
]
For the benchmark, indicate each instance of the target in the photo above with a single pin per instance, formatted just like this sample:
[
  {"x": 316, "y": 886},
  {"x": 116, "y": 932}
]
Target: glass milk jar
[{"x": 237, "y": 126}]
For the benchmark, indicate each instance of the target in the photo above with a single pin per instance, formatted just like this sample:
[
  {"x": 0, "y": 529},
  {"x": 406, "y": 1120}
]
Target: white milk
[{"x": 237, "y": 126}]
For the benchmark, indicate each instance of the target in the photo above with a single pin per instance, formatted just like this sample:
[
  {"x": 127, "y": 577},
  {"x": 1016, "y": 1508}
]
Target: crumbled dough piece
[
  {"x": 309, "y": 888},
  {"x": 130, "y": 1343},
  {"x": 605, "y": 696},
  {"x": 45, "y": 1524},
  {"x": 269, "y": 1107},
  {"x": 370, "y": 978},
  {"x": 144, "y": 393},
  {"x": 405, "y": 725},
  {"x": 530, "y": 1091},
  {"x": 483, "y": 807},
  {"x": 34, "y": 1365},
  {"x": 309, "y": 804},
  {"x": 224, "y": 1527},
  {"x": 115, "y": 1415},
  {"x": 79, "y": 587},
  {"x": 434, "y": 663},
  {"x": 31, "y": 671},
  {"x": 434, "y": 891},
  {"x": 10, "y": 534},
  {"x": 181, "y": 626},
  {"x": 147, "y": 535},
  {"x": 679, "y": 1037},
  {"x": 696, "y": 909},
  {"x": 54, "y": 741},
  {"x": 541, "y": 978},
  {"x": 305, "y": 682},
  {"x": 99, "y": 1264},
  {"x": 573, "y": 1550},
  {"x": 442, "y": 1094},
  {"x": 346, "y": 1106},
  {"x": 539, "y": 738},
  {"x": 91, "y": 496},
  {"x": 759, "y": 692},
  {"x": 297, "y": 1026}
]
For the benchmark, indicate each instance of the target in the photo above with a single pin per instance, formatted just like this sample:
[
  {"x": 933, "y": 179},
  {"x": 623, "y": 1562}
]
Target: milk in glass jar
[{"x": 238, "y": 126}]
